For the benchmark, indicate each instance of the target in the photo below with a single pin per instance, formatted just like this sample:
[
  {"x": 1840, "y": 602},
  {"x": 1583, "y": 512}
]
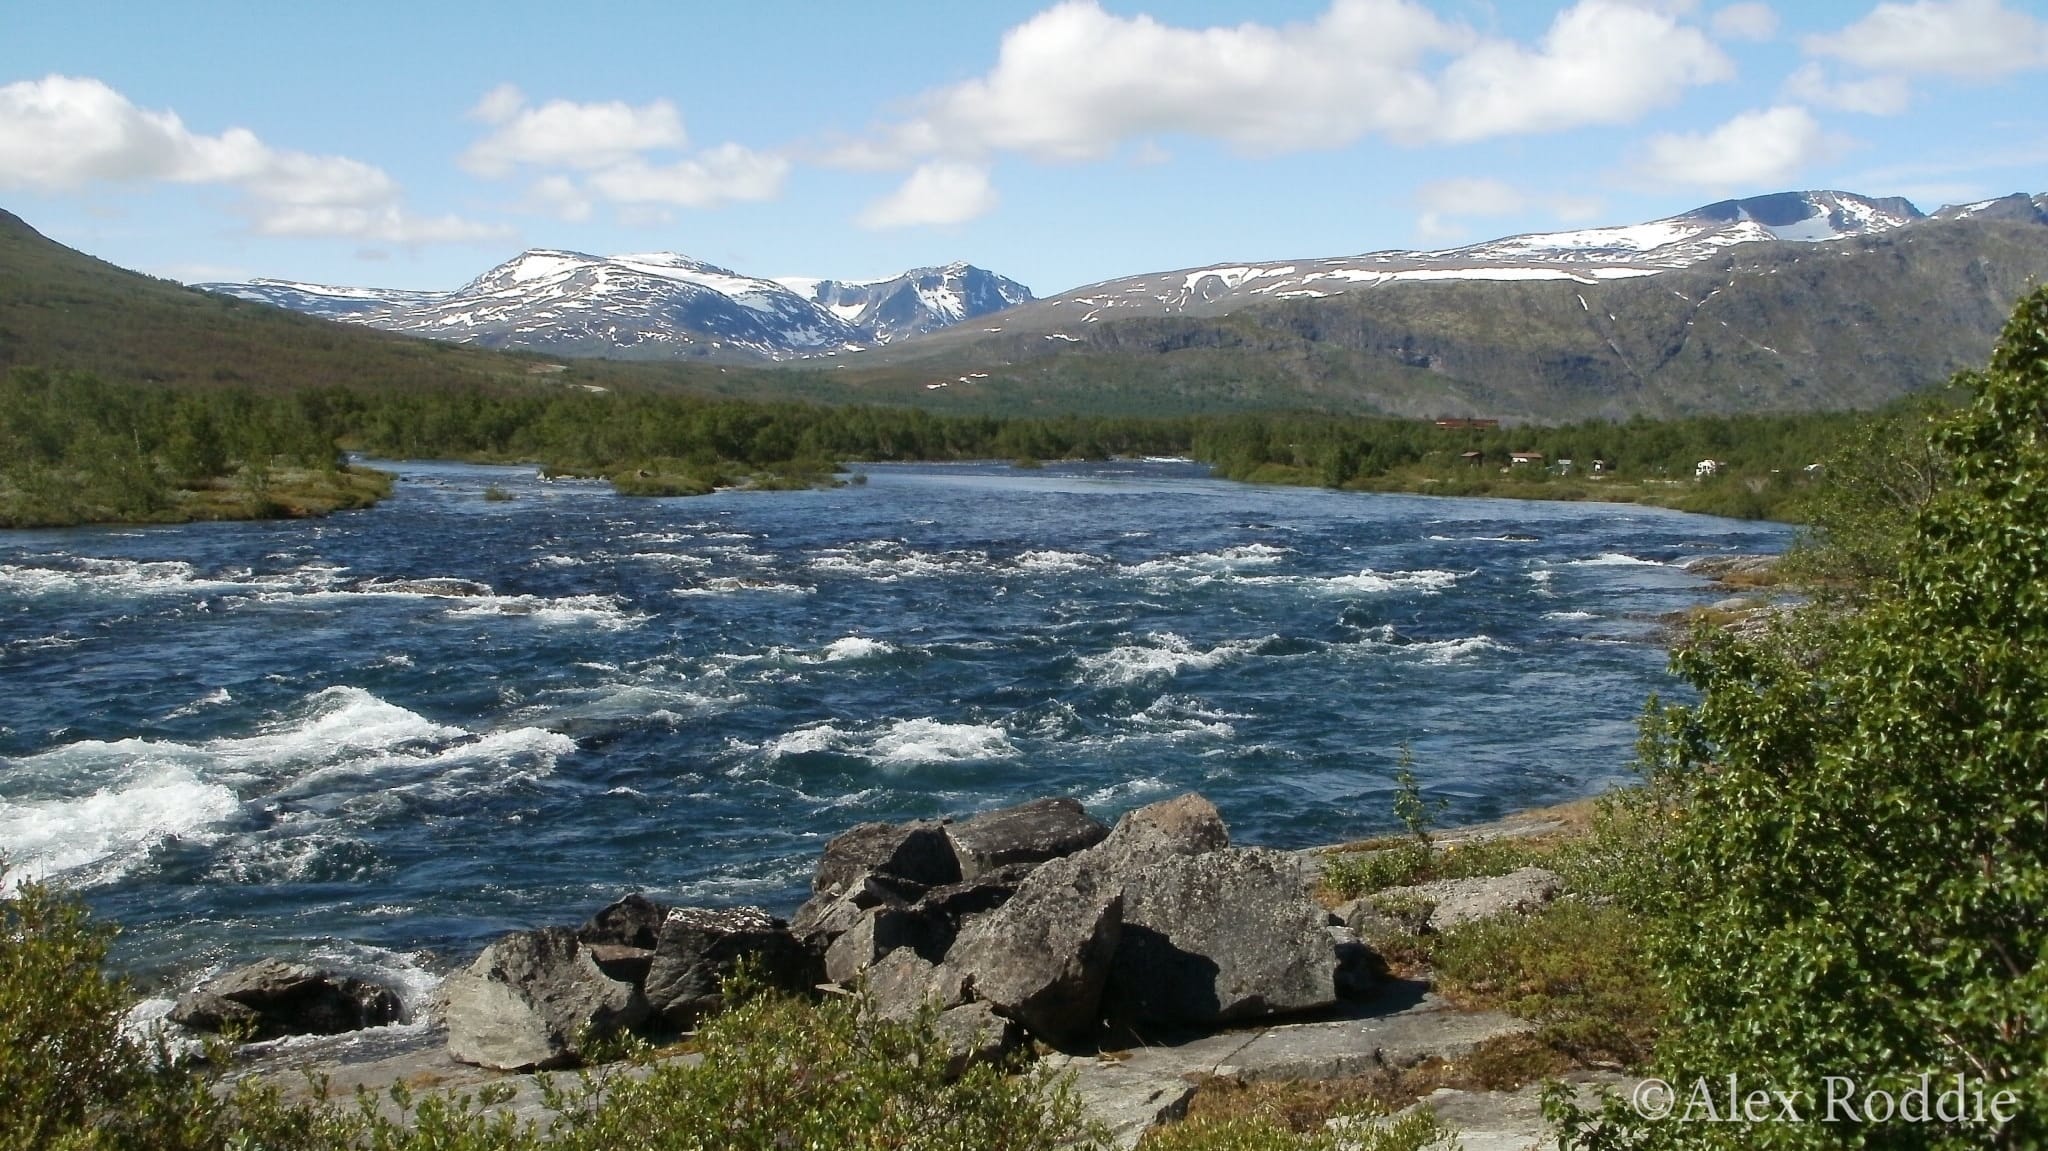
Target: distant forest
[{"x": 74, "y": 448}]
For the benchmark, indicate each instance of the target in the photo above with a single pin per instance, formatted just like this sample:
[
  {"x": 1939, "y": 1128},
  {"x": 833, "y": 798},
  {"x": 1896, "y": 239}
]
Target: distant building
[
  {"x": 1602, "y": 467},
  {"x": 1472, "y": 458},
  {"x": 1564, "y": 467},
  {"x": 1462, "y": 423},
  {"x": 1812, "y": 469},
  {"x": 1707, "y": 468},
  {"x": 1517, "y": 459}
]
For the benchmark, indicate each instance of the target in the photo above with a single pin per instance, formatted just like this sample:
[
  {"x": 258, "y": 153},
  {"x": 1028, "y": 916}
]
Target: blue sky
[{"x": 415, "y": 145}]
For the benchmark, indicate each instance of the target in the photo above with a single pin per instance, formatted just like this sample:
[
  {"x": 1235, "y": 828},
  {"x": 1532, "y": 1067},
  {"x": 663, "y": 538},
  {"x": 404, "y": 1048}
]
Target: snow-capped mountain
[
  {"x": 328, "y": 303},
  {"x": 1588, "y": 255},
  {"x": 656, "y": 305},
  {"x": 918, "y": 301}
]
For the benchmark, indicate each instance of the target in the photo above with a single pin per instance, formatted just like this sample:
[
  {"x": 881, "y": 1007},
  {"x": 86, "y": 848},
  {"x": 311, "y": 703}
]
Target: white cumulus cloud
[
  {"x": 1076, "y": 82},
  {"x": 1764, "y": 147},
  {"x": 564, "y": 134},
  {"x": 1448, "y": 205},
  {"x": 937, "y": 192},
  {"x": 613, "y": 151},
  {"x": 64, "y": 132},
  {"x": 1964, "y": 38},
  {"x": 1746, "y": 21}
]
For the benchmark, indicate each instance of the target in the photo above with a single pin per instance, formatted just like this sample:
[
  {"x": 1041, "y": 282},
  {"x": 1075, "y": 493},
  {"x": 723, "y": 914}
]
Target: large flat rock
[{"x": 1132, "y": 1090}]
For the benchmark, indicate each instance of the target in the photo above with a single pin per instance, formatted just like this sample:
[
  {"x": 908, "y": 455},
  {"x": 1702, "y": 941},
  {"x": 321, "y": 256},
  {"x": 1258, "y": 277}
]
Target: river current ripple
[{"x": 382, "y": 738}]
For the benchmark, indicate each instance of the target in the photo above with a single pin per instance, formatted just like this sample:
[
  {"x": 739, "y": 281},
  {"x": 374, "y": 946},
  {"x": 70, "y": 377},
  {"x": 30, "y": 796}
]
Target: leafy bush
[{"x": 1859, "y": 885}]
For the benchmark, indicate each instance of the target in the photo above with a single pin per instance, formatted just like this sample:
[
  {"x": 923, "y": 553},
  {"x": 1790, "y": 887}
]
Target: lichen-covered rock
[
  {"x": 531, "y": 999},
  {"x": 1187, "y": 824},
  {"x": 1044, "y": 956},
  {"x": 700, "y": 946},
  {"x": 827, "y": 915},
  {"x": 1222, "y": 935},
  {"x": 1026, "y": 833},
  {"x": 274, "y": 997}
]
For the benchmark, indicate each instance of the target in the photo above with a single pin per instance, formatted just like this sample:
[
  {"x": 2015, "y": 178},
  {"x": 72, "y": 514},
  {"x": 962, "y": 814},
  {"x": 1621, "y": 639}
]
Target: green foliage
[
  {"x": 1349, "y": 874},
  {"x": 1416, "y": 814},
  {"x": 1420, "y": 1131},
  {"x": 1859, "y": 883}
]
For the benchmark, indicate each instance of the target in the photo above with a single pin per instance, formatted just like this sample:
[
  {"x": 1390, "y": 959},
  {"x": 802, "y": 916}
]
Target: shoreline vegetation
[{"x": 76, "y": 450}]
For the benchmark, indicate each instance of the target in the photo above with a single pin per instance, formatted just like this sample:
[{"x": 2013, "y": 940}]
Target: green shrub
[{"x": 1859, "y": 884}]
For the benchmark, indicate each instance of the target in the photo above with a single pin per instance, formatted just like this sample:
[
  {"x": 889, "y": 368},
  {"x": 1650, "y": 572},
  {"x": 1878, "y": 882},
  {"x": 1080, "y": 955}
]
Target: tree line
[{"x": 75, "y": 448}]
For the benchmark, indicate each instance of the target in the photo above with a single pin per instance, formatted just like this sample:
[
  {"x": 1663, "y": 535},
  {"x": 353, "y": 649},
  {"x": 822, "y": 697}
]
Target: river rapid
[{"x": 383, "y": 738}]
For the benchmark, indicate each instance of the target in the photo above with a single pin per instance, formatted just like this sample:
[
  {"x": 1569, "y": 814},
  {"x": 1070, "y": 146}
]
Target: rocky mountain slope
[
  {"x": 659, "y": 305},
  {"x": 1586, "y": 256},
  {"x": 1572, "y": 325}
]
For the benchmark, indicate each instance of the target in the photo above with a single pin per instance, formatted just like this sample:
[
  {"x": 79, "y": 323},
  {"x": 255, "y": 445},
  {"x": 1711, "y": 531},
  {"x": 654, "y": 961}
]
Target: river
[{"x": 382, "y": 738}]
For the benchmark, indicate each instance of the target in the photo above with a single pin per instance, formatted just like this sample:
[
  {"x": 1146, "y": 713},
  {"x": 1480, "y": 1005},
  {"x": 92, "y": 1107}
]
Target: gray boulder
[
  {"x": 531, "y": 999},
  {"x": 879, "y": 931},
  {"x": 902, "y": 983},
  {"x": 1027, "y": 833},
  {"x": 1359, "y": 968},
  {"x": 973, "y": 1033},
  {"x": 273, "y": 997},
  {"x": 1223, "y": 935},
  {"x": 1043, "y": 957},
  {"x": 700, "y": 946},
  {"x": 829, "y": 914},
  {"x": 919, "y": 852},
  {"x": 634, "y": 921},
  {"x": 1187, "y": 824}
]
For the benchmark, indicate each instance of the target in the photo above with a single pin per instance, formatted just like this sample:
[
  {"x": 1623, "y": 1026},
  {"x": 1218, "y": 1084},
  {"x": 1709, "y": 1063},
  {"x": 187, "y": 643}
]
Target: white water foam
[
  {"x": 855, "y": 647},
  {"x": 97, "y": 837},
  {"x": 1210, "y": 564},
  {"x": 733, "y": 585},
  {"x": 1370, "y": 582},
  {"x": 605, "y": 611},
  {"x": 1054, "y": 562},
  {"x": 214, "y": 698},
  {"x": 1162, "y": 656},
  {"x": 1571, "y": 615},
  {"x": 902, "y": 742},
  {"x": 1613, "y": 559},
  {"x": 343, "y": 749}
]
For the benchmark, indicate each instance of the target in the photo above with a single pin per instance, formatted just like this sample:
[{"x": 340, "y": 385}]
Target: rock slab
[
  {"x": 531, "y": 999},
  {"x": 1224, "y": 935}
]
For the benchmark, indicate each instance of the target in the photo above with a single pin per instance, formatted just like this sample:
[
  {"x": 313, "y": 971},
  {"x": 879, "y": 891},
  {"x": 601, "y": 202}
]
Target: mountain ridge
[{"x": 655, "y": 305}]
